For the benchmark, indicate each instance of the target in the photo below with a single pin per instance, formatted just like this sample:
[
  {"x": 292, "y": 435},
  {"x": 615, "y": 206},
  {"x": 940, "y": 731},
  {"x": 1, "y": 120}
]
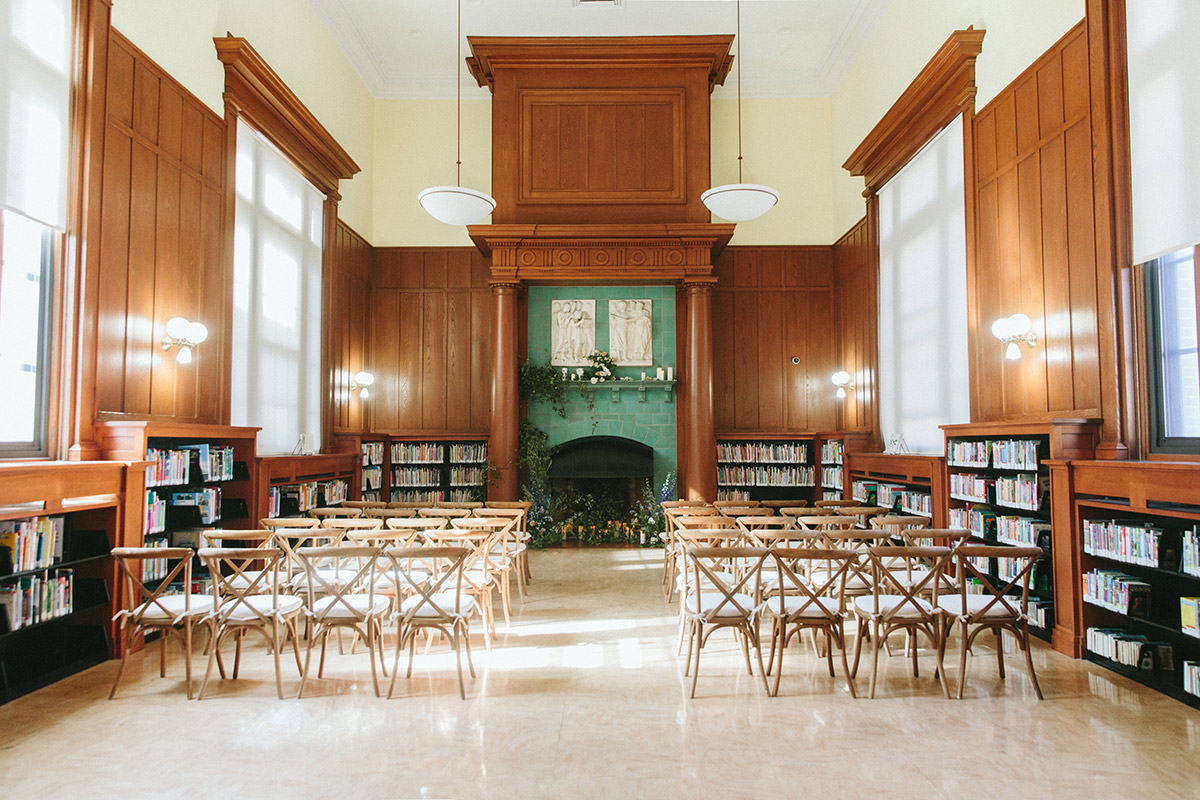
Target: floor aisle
[{"x": 584, "y": 697}]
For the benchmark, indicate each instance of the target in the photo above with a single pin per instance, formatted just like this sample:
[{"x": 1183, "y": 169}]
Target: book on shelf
[
  {"x": 1118, "y": 592},
  {"x": 1024, "y": 491},
  {"x": 1020, "y": 530},
  {"x": 468, "y": 453},
  {"x": 1131, "y": 541},
  {"x": 966, "y": 454},
  {"x": 416, "y": 476},
  {"x": 831, "y": 451},
  {"x": 1190, "y": 557},
  {"x": 1189, "y": 616},
  {"x": 1015, "y": 454},
  {"x": 216, "y": 463},
  {"x": 417, "y": 495},
  {"x": 972, "y": 488},
  {"x": 206, "y": 500},
  {"x": 156, "y": 513},
  {"x": 1131, "y": 649},
  {"x": 864, "y": 491},
  {"x": 168, "y": 467},
  {"x": 467, "y": 476},
  {"x": 31, "y": 543},
  {"x": 1191, "y": 677},
  {"x": 831, "y": 477},
  {"x": 37, "y": 598},
  {"x": 782, "y": 453},
  {"x": 372, "y": 478},
  {"x": 418, "y": 453},
  {"x": 372, "y": 453}
]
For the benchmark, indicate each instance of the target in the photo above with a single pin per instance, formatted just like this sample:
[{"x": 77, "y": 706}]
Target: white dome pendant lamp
[
  {"x": 739, "y": 202},
  {"x": 455, "y": 205}
]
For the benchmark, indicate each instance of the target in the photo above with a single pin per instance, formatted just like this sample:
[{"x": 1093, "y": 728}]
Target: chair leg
[
  {"x": 237, "y": 653},
  {"x": 212, "y": 645},
  {"x": 162, "y": 653},
  {"x": 829, "y": 650},
  {"x": 466, "y": 637},
  {"x": 379, "y": 644},
  {"x": 187, "y": 655},
  {"x": 1023, "y": 640},
  {"x": 778, "y": 631},
  {"x": 123, "y": 635},
  {"x": 743, "y": 639},
  {"x": 400, "y": 633},
  {"x": 876, "y": 636},
  {"x": 275, "y": 645},
  {"x": 304, "y": 670},
  {"x": 699, "y": 646},
  {"x": 296, "y": 647},
  {"x": 370, "y": 626},
  {"x": 412, "y": 647},
  {"x": 860, "y": 629},
  {"x": 771, "y": 652},
  {"x": 214, "y": 649},
  {"x": 941, "y": 669},
  {"x": 454, "y": 637},
  {"x": 845, "y": 667},
  {"x": 757, "y": 642},
  {"x": 910, "y": 642},
  {"x": 506, "y": 604},
  {"x": 691, "y": 643},
  {"x": 962, "y": 662},
  {"x": 999, "y": 650},
  {"x": 323, "y": 634}
]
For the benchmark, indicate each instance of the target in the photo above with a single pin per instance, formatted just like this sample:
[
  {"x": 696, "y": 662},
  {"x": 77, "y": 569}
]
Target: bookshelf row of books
[
  {"x": 1021, "y": 491},
  {"x": 372, "y": 453},
  {"x": 1130, "y": 649},
  {"x": 828, "y": 495},
  {"x": 1020, "y": 530},
  {"x": 765, "y": 476},
  {"x": 37, "y": 598},
  {"x": 1191, "y": 677},
  {"x": 832, "y": 451},
  {"x": 173, "y": 467},
  {"x": 900, "y": 496},
  {"x": 1019, "y": 454},
  {"x": 733, "y": 494},
  {"x": 762, "y": 452},
  {"x": 298, "y": 498},
  {"x": 468, "y": 453},
  {"x": 419, "y": 496},
  {"x": 416, "y": 476},
  {"x": 372, "y": 478},
  {"x": 1189, "y": 562},
  {"x": 972, "y": 488},
  {"x": 156, "y": 513},
  {"x": 207, "y": 502},
  {"x": 30, "y": 544},
  {"x": 155, "y": 568},
  {"x": 831, "y": 477},
  {"x": 468, "y": 476},
  {"x": 418, "y": 453},
  {"x": 864, "y": 491},
  {"x": 1130, "y": 542},
  {"x": 1116, "y": 591},
  {"x": 1189, "y": 616}
]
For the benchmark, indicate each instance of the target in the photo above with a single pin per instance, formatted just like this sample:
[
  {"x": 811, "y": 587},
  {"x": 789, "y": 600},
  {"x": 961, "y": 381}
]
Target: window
[
  {"x": 278, "y": 233},
  {"x": 923, "y": 378},
  {"x": 1174, "y": 360},
  {"x": 35, "y": 88}
]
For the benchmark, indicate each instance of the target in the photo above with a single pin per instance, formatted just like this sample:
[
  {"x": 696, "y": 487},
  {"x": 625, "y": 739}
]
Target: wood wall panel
[
  {"x": 1036, "y": 241},
  {"x": 160, "y": 245},
  {"x": 430, "y": 340},
  {"x": 855, "y": 317},
  {"x": 772, "y": 304},
  {"x": 350, "y": 317}
]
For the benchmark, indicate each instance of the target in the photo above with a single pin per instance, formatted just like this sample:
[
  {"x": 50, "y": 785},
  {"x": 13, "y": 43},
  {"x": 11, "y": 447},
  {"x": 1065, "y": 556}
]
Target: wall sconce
[
  {"x": 841, "y": 379},
  {"x": 360, "y": 383},
  {"x": 185, "y": 334},
  {"x": 1010, "y": 330}
]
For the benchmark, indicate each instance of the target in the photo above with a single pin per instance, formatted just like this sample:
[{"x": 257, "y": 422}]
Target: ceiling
[{"x": 404, "y": 49}]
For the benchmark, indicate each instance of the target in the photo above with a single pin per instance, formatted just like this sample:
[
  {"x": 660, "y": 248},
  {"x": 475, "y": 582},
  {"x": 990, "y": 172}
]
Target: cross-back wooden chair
[
  {"x": 745, "y": 511},
  {"x": 823, "y": 522},
  {"x": 796, "y": 502},
  {"x": 470, "y": 505},
  {"x": 242, "y": 604},
  {"x": 796, "y": 602},
  {"x": 419, "y": 524},
  {"x": 673, "y": 553},
  {"x": 226, "y": 537},
  {"x": 275, "y": 523},
  {"x": 431, "y": 580},
  {"x": 897, "y": 602},
  {"x": 364, "y": 504},
  {"x": 478, "y": 576},
  {"x": 996, "y": 609},
  {"x": 924, "y": 537},
  {"x": 507, "y": 548},
  {"x": 520, "y": 515},
  {"x": 415, "y": 506},
  {"x": 898, "y": 523},
  {"x": 837, "y": 503},
  {"x": 805, "y": 511},
  {"x": 291, "y": 539},
  {"x": 334, "y": 512},
  {"x": 735, "y": 503},
  {"x": 147, "y": 605},
  {"x": 720, "y": 596},
  {"x": 701, "y": 537},
  {"x": 445, "y": 513},
  {"x": 862, "y": 513},
  {"x": 753, "y": 523},
  {"x": 388, "y": 513},
  {"x": 683, "y": 503},
  {"x": 346, "y": 524},
  {"x": 348, "y": 602}
]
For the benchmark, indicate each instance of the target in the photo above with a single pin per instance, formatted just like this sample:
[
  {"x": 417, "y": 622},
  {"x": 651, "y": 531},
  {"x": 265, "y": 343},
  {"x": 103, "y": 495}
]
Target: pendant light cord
[
  {"x": 458, "y": 101},
  {"x": 738, "y": 60}
]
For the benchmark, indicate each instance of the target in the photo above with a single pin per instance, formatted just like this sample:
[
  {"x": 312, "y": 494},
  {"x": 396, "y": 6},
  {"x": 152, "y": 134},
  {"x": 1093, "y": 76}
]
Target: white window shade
[
  {"x": 35, "y": 90},
  {"x": 278, "y": 235},
  {"x": 1164, "y": 125},
  {"x": 923, "y": 381}
]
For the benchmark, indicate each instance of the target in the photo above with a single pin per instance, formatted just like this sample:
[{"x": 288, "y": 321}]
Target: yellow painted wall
[
  {"x": 906, "y": 37},
  {"x": 414, "y": 149},
  {"x": 178, "y": 35},
  {"x": 788, "y": 145}
]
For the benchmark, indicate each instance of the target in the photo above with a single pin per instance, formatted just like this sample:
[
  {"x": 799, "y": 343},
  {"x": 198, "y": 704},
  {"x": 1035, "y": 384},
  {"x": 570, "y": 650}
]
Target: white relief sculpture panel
[
  {"x": 572, "y": 332},
  {"x": 630, "y": 332}
]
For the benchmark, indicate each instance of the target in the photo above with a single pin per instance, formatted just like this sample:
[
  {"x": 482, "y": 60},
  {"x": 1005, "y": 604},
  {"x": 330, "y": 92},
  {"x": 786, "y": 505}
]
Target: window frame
[{"x": 1158, "y": 441}]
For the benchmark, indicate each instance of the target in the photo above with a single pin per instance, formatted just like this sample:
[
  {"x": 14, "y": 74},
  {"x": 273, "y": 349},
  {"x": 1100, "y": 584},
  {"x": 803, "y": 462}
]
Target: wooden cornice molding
[
  {"x": 255, "y": 91},
  {"x": 632, "y": 52},
  {"x": 941, "y": 91}
]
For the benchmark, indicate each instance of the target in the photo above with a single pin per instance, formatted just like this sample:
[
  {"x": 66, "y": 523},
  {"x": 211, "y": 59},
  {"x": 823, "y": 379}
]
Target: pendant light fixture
[
  {"x": 739, "y": 202},
  {"x": 455, "y": 205}
]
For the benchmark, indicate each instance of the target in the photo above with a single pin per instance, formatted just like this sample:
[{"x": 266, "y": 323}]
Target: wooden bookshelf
[
  {"x": 1166, "y": 497},
  {"x": 98, "y": 505},
  {"x": 316, "y": 480},
  {"x": 831, "y": 449},
  {"x": 165, "y": 512},
  {"x": 424, "y": 468},
  {"x": 920, "y": 481},
  {"x": 767, "y": 466},
  {"x": 374, "y": 450},
  {"x": 1035, "y": 518}
]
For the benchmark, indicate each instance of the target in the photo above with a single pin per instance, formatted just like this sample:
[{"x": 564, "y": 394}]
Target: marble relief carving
[
  {"x": 572, "y": 332},
  {"x": 630, "y": 334}
]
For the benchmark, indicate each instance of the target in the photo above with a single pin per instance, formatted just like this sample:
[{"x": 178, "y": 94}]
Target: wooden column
[
  {"x": 700, "y": 472},
  {"x": 502, "y": 445}
]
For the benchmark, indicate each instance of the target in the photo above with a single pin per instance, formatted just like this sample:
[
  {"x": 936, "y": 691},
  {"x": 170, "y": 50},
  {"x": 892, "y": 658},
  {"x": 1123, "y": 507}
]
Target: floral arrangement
[{"x": 602, "y": 363}]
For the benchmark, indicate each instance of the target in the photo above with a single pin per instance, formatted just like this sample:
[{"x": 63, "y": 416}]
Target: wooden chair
[
  {"x": 275, "y": 523},
  {"x": 862, "y": 514},
  {"x": 477, "y": 573},
  {"x": 673, "y": 553},
  {"x": 225, "y": 537},
  {"x": 751, "y": 523},
  {"x": 419, "y": 524},
  {"x": 996, "y": 609},
  {"x": 242, "y": 604},
  {"x": 346, "y": 524},
  {"x": 805, "y": 511},
  {"x": 778, "y": 504},
  {"x": 719, "y": 596},
  {"x": 412, "y": 505},
  {"x": 525, "y": 504},
  {"x": 150, "y": 608},
  {"x": 470, "y": 505},
  {"x": 505, "y": 554},
  {"x": 795, "y": 602},
  {"x": 896, "y": 603},
  {"x": 363, "y": 504},
  {"x": 434, "y": 601},
  {"x": 447, "y": 513},
  {"x": 746, "y": 511},
  {"x": 388, "y": 513},
  {"x": 825, "y": 522},
  {"x": 348, "y": 602},
  {"x": 521, "y": 515},
  {"x": 837, "y": 503},
  {"x": 334, "y": 512},
  {"x": 683, "y": 503},
  {"x": 734, "y": 504}
]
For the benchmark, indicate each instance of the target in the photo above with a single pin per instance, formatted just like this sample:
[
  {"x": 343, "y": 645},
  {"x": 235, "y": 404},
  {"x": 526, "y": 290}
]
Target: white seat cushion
[
  {"x": 889, "y": 602},
  {"x": 444, "y": 602},
  {"x": 172, "y": 607},
  {"x": 285, "y": 605},
  {"x": 854, "y": 581},
  {"x": 709, "y": 602},
  {"x": 333, "y": 608},
  {"x": 975, "y": 605}
]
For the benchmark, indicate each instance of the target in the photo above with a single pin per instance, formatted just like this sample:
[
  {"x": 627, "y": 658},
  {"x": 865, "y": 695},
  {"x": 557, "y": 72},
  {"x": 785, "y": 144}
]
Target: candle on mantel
[
  {"x": 643, "y": 376},
  {"x": 661, "y": 374},
  {"x": 670, "y": 373}
]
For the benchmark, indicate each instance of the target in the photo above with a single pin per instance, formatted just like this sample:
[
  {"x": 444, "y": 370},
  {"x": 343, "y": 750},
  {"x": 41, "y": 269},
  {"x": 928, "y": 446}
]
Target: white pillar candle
[
  {"x": 670, "y": 373},
  {"x": 661, "y": 374},
  {"x": 643, "y": 376}
]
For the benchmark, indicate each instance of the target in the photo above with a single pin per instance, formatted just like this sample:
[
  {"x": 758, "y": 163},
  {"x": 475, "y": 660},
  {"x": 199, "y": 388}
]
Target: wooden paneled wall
[
  {"x": 349, "y": 307},
  {"x": 160, "y": 245},
  {"x": 1036, "y": 242},
  {"x": 430, "y": 329},
  {"x": 856, "y": 270},
  {"x": 772, "y": 304}
]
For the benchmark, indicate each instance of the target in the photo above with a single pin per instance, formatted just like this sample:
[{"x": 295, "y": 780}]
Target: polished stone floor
[{"x": 585, "y": 697}]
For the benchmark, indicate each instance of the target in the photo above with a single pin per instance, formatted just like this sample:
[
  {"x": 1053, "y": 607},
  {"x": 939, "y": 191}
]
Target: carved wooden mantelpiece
[{"x": 600, "y": 254}]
